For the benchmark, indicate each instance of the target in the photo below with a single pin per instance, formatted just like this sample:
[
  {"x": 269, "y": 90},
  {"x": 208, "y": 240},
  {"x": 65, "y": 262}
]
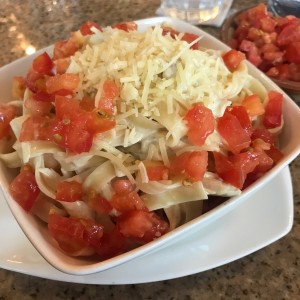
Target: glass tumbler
[{"x": 192, "y": 11}]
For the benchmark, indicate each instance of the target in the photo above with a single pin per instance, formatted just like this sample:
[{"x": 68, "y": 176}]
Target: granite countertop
[{"x": 270, "y": 273}]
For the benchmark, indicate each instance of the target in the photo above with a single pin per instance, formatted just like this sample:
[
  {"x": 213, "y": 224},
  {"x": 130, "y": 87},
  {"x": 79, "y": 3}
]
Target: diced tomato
[
  {"x": 232, "y": 59},
  {"x": 7, "y": 113},
  {"x": 254, "y": 34},
  {"x": 143, "y": 225},
  {"x": 285, "y": 21},
  {"x": 18, "y": 87},
  {"x": 289, "y": 34},
  {"x": 98, "y": 122},
  {"x": 74, "y": 234},
  {"x": 275, "y": 154},
  {"x": 62, "y": 64},
  {"x": 34, "y": 81},
  {"x": 269, "y": 48},
  {"x": 240, "y": 112},
  {"x": 59, "y": 82},
  {"x": 122, "y": 186},
  {"x": 112, "y": 244},
  {"x": 233, "y": 133},
  {"x": 43, "y": 96},
  {"x": 257, "y": 13},
  {"x": 43, "y": 64},
  {"x": 189, "y": 38},
  {"x": 169, "y": 30},
  {"x": 73, "y": 134},
  {"x": 270, "y": 42},
  {"x": 37, "y": 128},
  {"x": 294, "y": 71},
  {"x": 241, "y": 32},
  {"x": 292, "y": 53},
  {"x": 87, "y": 103},
  {"x": 156, "y": 170},
  {"x": 65, "y": 107},
  {"x": 263, "y": 134},
  {"x": 69, "y": 191},
  {"x": 273, "y": 114},
  {"x": 265, "y": 162},
  {"x": 274, "y": 57},
  {"x": 24, "y": 189},
  {"x": 253, "y": 105},
  {"x": 191, "y": 165},
  {"x": 282, "y": 72},
  {"x": 201, "y": 124},
  {"x": 37, "y": 108},
  {"x": 127, "y": 201},
  {"x": 110, "y": 92},
  {"x": 127, "y": 26},
  {"x": 268, "y": 24},
  {"x": 85, "y": 28},
  {"x": 98, "y": 203},
  {"x": 234, "y": 169},
  {"x": 63, "y": 49}
]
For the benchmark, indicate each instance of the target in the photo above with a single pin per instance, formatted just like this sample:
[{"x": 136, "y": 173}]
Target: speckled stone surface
[{"x": 270, "y": 273}]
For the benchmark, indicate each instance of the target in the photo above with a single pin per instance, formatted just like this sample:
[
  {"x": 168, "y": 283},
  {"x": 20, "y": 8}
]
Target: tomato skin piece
[
  {"x": 110, "y": 92},
  {"x": 85, "y": 28},
  {"x": 7, "y": 113},
  {"x": 292, "y": 53},
  {"x": 253, "y": 105},
  {"x": 240, "y": 112},
  {"x": 275, "y": 154},
  {"x": 127, "y": 26},
  {"x": 69, "y": 191},
  {"x": 143, "y": 225},
  {"x": 63, "y": 49},
  {"x": 189, "y": 38},
  {"x": 191, "y": 165},
  {"x": 127, "y": 202},
  {"x": 59, "y": 82},
  {"x": 233, "y": 133},
  {"x": 156, "y": 170},
  {"x": 289, "y": 34},
  {"x": 122, "y": 186},
  {"x": 112, "y": 244},
  {"x": 74, "y": 234},
  {"x": 37, "y": 128},
  {"x": 201, "y": 124},
  {"x": 43, "y": 64},
  {"x": 252, "y": 52},
  {"x": 24, "y": 189},
  {"x": 264, "y": 134},
  {"x": 232, "y": 59},
  {"x": 73, "y": 135},
  {"x": 273, "y": 113},
  {"x": 87, "y": 104},
  {"x": 234, "y": 169},
  {"x": 98, "y": 123},
  {"x": 66, "y": 108},
  {"x": 98, "y": 203}
]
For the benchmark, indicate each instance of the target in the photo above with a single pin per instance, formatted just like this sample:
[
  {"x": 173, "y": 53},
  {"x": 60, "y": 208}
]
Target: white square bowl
[{"x": 37, "y": 232}]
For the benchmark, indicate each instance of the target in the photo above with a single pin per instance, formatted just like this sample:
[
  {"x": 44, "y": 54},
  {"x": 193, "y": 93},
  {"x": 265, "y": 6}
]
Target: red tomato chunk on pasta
[
  {"x": 69, "y": 191},
  {"x": 24, "y": 189}
]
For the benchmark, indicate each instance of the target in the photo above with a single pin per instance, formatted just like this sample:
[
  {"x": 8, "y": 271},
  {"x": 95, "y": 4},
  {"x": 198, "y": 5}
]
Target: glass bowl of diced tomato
[{"x": 271, "y": 43}]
